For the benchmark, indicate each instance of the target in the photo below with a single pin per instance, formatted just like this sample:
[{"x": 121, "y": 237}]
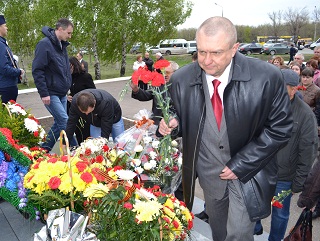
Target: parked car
[
  {"x": 153, "y": 49},
  {"x": 315, "y": 44},
  {"x": 192, "y": 47},
  {"x": 135, "y": 49},
  {"x": 250, "y": 48},
  {"x": 277, "y": 48}
]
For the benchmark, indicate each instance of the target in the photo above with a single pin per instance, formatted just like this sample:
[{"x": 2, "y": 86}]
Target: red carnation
[
  {"x": 117, "y": 168},
  {"x": 86, "y": 177},
  {"x": 175, "y": 168},
  {"x": 157, "y": 79},
  {"x": 175, "y": 224},
  {"x": 52, "y": 160},
  {"x": 160, "y": 64},
  {"x": 36, "y": 134},
  {"x": 54, "y": 182},
  {"x": 105, "y": 148},
  {"x": 277, "y": 204},
  {"x": 64, "y": 158},
  {"x": 190, "y": 224},
  {"x": 99, "y": 159},
  {"x": 128, "y": 205},
  {"x": 88, "y": 152},
  {"x": 81, "y": 166}
]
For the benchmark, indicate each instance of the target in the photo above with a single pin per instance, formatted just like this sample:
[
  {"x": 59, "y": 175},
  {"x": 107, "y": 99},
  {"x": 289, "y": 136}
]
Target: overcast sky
[{"x": 244, "y": 12}]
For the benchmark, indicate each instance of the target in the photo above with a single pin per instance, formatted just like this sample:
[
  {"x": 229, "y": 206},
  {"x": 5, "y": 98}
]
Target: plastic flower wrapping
[
  {"x": 155, "y": 160},
  {"x": 26, "y": 129}
]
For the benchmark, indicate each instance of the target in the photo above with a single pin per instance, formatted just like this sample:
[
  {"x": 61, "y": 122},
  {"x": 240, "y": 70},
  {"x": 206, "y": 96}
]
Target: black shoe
[
  {"x": 259, "y": 232},
  {"x": 316, "y": 214},
  {"x": 203, "y": 216}
]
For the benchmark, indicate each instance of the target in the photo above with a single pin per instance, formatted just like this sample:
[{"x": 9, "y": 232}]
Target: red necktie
[{"x": 216, "y": 102}]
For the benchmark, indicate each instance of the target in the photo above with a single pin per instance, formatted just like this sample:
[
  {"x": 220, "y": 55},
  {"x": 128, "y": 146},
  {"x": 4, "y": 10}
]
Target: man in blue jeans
[
  {"x": 52, "y": 76},
  {"x": 295, "y": 159},
  {"x": 100, "y": 109}
]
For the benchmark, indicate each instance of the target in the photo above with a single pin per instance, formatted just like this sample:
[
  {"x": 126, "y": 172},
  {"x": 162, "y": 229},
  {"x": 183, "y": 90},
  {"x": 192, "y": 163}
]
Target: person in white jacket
[{"x": 139, "y": 63}]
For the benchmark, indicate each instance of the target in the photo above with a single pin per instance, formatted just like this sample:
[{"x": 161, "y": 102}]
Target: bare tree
[
  {"x": 276, "y": 18},
  {"x": 296, "y": 19},
  {"x": 316, "y": 16}
]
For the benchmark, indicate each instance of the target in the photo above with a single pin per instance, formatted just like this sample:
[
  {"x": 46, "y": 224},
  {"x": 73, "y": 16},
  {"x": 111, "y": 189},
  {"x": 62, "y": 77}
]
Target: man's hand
[
  {"x": 164, "y": 129},
  {"x": 46, "y": 100},
  {"x": 69, "y": 98},
  {"x": 135, "y": 88},
  {"x": 227, "y": 174}
]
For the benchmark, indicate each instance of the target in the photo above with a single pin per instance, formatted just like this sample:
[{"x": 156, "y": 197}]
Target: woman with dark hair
[{"x": 80, "y": 81}]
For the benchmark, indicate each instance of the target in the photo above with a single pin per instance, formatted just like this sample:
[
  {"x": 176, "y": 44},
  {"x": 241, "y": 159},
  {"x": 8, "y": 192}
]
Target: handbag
[{"x": 302, "y": 231}]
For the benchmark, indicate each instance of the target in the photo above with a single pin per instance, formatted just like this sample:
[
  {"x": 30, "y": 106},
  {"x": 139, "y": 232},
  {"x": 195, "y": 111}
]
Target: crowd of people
[{"x": 249, "y": 128}]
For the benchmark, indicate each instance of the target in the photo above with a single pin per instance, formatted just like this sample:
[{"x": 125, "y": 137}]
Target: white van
[
  {"x": 173, "y": 46},
  {"x": 192, "y": 47}
]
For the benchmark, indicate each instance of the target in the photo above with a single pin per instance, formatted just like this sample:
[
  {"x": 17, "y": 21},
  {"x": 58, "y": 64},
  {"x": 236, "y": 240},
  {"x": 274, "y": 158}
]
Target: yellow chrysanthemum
[
  {"x": 65, "y": 186},
  {"x": 113, "y": 175},
  {"x": 78, "y": 183},
  {"x": 112, "y": 155},
  {"x": 186, "y": 213},
  {"x": 168, "y": 212},
  {"x": 177, "y": 226},
  {"x": 169, "y": 203},
  {"x": 96, "y": 190},
  {"x": 147, "y": 211}
]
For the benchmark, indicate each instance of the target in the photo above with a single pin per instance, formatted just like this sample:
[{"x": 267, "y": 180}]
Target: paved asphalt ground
[{"x": 14, "y": 227}]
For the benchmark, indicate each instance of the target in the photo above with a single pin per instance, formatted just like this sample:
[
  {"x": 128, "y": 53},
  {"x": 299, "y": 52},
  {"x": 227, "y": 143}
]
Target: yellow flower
[
  {"x": 96, "y": 190},
  {"x": 112, "y": 174},
  {"x": 169, "y": 203},
  {"x": 112, "y": 155},
  {"x": 65, "y": 186},
  {"x": 185, "y": 211},
  {"x": 168, "y": 212},
  {"x": 147, "y": 211}
]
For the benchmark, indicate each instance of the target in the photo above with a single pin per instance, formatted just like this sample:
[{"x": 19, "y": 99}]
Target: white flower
[
  {"x": 139, "y": 170},
  {"x": 153, "y": 154},
  {"x": 153, "y": 163},
  {"x": 138, "y": 148},
  {"x": 155, "y": 144},
  {"x": 166, "y": 161},
  {"x": 147, "y": 139},
  {"x": 174, "y": 143},
  {"x": 16, "y": 109},
  {"x": 147, "y": 166},
  {"x": 135, "y": 162},
  {"x": 126, "y": 174},
  {"x": 31, "y": 125}
]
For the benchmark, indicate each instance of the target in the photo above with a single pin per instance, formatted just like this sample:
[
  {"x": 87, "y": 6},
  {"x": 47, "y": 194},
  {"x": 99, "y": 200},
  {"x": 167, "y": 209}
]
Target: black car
[{"x": 250, "y": 48}]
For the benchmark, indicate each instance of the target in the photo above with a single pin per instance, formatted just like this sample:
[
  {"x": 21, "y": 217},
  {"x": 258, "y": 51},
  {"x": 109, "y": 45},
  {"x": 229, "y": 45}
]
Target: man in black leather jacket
[{"x": 235, "y": 165}]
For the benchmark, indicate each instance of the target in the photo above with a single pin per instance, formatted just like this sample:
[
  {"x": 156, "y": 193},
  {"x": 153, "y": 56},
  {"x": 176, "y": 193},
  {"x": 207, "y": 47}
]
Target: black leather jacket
[{"x": 259, "y": 123}]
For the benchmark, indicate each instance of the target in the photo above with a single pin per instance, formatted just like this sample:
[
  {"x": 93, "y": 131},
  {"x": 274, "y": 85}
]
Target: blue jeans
[
  {"x": 280, "y": 216},
  {"x": 58, "y": 109},
  {"x": 117, "y": 129}
]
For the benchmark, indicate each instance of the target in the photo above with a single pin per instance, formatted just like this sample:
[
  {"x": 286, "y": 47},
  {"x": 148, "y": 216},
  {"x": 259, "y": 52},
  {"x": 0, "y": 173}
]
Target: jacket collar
[{"x": 239, "y": 69}]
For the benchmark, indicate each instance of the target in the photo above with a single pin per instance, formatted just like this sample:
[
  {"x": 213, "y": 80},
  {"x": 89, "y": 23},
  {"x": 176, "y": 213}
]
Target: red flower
[
  {"x": 117, "y": 168},
  {"x": 87, "y": 152},
  {"x": 128, "y": 205},
  {"x": 277, "y": 204},
  {"x": 36, "y": 133},
  {"x": 190, "y": 224},
  {"x": 105, "y": 148},
  {"x": 157, "y": 79},
  {"x": 175, "y": 168},
  {"x": 86, "y": 203},
  {"x": 81, "y": 166},
  {"x": 160, "y": 64},
  {"x": 99, "y": 159},
  {"x": 64, "y": 158},
  {"x": 54, "y": 182},
  {"x": 166, "y": 219},
  {"x": 36, "y": 166},
  {"x": 52, "y": 160},
  {"x": 86, "y": 177}
]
